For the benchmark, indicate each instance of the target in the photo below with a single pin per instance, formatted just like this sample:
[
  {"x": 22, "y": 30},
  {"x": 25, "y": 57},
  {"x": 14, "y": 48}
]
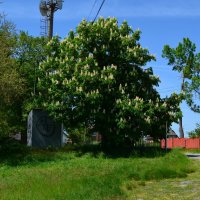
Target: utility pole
[
  {"x": 50, "y": 20},
  {"x": 166, "y": 131},
  {"x": 181, "y": 131},
  {"x": 47, "y": 9}
]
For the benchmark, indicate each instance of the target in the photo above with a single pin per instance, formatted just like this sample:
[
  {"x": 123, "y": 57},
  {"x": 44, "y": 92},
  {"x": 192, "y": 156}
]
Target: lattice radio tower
[{"x": 47, "y": 10}]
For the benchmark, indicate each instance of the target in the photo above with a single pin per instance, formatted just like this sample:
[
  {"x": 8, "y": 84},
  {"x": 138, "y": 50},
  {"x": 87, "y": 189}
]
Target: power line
[
  {"x": 98, "y": 11},
  {"x": 92, "y": 9}
]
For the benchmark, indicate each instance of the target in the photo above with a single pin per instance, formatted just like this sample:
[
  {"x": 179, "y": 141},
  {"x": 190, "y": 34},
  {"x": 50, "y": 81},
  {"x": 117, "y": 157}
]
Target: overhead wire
[
  {"x": 92, "y": 9},
  {"x": 98, "y": 11}
]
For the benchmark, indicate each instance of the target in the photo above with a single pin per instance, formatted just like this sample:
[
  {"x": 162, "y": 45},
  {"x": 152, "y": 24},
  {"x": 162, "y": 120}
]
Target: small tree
[
  {"x": 183, "y": 59},
  {"x": 11, "y": 83},
  {"x": 20, "y": 57},
  {"x": 195, "y": 133},
  {"x": 192, "y": 86},
  {"x": 96, "y": 77},
  {"x": 29, "y": 53}
]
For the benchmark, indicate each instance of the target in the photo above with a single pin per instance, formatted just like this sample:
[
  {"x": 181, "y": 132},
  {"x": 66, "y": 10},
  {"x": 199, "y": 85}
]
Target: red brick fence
[{"x": 187, "y": 143}]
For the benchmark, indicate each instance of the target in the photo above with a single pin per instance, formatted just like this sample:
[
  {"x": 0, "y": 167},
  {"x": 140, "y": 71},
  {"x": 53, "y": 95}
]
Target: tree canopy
[
  {"x": 29, "y": 53},
  {"x": 97, "y": 77},
  {"x": 186, "y": 60},
  {"x": 20, "y": 57},
  {"x": 192, "y": 86},
  {"x": 11, "y": 83},
  {"x": 196, "y": 132}
]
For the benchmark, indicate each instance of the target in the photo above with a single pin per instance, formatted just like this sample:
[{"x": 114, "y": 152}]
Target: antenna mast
[
  {"x": 43, "y": 26},
  {"x": 47, "y": 9}
]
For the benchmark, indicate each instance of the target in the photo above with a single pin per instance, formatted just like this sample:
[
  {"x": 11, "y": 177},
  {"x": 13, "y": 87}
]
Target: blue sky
[{"x": 161, "y": 22}]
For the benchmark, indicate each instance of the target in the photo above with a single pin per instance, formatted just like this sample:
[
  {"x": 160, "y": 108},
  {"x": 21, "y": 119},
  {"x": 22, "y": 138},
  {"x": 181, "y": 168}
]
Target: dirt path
[{"x": 193, "y": 155}]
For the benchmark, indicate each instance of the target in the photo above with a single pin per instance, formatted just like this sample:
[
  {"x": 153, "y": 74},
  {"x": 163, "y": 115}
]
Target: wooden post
[{"x": 166, "y": 138}]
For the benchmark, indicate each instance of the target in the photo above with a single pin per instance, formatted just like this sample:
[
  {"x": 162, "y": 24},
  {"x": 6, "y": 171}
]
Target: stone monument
[{"x": 42, "y": 131}]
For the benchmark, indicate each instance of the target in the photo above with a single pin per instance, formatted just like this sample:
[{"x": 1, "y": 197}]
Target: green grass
[
  {"x": 192, "y": 151},
  {"x": 185, "y": 188},
  {"x": 84, "y": 173}
]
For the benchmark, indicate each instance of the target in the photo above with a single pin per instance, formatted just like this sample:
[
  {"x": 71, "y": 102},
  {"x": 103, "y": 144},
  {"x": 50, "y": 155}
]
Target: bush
[{"x": 196, "y": 132}]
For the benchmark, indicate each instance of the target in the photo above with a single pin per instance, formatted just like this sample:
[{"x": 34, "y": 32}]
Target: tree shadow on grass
[
  {"x": 13, "y": 153},
  {"x": 121, "y": 152}
]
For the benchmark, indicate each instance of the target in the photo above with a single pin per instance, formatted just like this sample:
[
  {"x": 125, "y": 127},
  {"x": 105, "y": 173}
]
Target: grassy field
[
  {"x": 84, "y": 174},
  {"x": 186, "y": 188}
]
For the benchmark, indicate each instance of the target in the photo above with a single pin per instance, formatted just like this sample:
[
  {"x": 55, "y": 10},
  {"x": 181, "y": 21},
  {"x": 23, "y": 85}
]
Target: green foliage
[
  {"x": 10, "y": 121},
  {"x": 195, "y": 133},
  {"x": 29, "y": 53},
  {"x": 96, "y": 77},
  {"x": 182, "y": 57},
  {"x": 185, "y": 60},
  {"x": 20, "y": 58},
  {"x": 79, "y": 135},
  {"x": 11, "y": 83},
  {"x": 12, "y": 152},
  {"x": 192, "y": 87}
]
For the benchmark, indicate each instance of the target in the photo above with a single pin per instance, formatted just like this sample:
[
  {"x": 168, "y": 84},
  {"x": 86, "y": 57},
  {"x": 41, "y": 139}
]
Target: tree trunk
[{"x": 181, "y": 132}]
